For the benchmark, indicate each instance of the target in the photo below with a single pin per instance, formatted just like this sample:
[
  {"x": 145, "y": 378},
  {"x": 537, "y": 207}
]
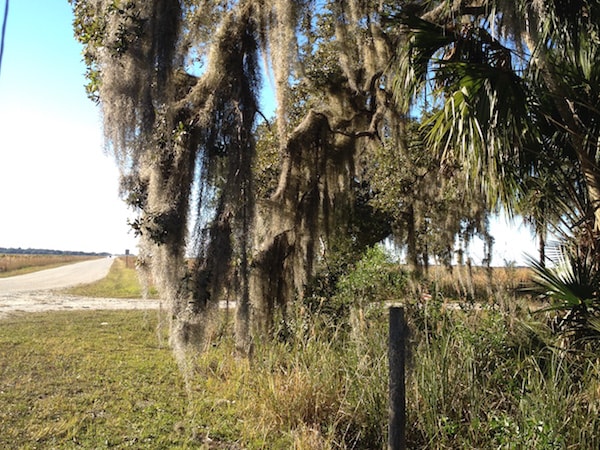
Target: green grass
[
  {"x": 475, "y": 379},
  {"x": 321, "y": 389},
  {"x": 88, "y": 380},
  {"x": 488, "y": 379},
  {"x": 485, "y": 378},
  {"x": 121, "y": 282}
]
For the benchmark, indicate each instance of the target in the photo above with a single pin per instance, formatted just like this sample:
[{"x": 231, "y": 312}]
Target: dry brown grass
[
  {"x": 18, "y": 264},
  {"x": 479, "y": 282}
]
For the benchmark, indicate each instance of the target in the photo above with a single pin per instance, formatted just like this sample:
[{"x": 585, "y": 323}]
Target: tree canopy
[
  {"x": 516, "y": 94},
  {"x": 510, "y": 93}
]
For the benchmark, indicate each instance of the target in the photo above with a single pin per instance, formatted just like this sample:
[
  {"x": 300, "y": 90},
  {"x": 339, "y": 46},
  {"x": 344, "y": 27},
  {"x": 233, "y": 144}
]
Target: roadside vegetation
[
  {"x": 414, "y": 121},
  {"x": 122, "y": 281},
  {"x": 486, "y": 374},
  {"x": 18, "y": 264}
]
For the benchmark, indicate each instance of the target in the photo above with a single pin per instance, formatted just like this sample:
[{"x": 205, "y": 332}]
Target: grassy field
[
  {"x": 19, "y": 264},
  {"x": 474, "y": 380},
  {"x": 88, "y": 380},
  {"x": 478, "y": 282},
  {"x": 485, "y": 378}
]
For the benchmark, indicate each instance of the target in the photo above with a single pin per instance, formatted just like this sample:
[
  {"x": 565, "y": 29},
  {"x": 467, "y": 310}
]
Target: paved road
[{"x": 57, "y": 278}]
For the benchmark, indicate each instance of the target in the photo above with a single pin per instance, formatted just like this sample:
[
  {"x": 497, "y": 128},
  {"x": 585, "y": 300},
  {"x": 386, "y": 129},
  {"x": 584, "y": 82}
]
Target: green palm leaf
[
  {"x": 412, "y": 63},
  {"x": 483, "y": 123},
  {"x": 562, "y": 285},
  {"x": 571, "y": 285}
]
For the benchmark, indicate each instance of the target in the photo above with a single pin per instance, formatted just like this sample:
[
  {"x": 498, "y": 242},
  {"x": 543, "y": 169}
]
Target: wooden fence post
[{"x": 397, "y": 401}]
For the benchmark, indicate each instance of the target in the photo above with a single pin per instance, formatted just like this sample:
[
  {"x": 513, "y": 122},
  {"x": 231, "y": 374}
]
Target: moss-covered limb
[
  {"x": 226, "y": 96},
  {"x": 179, "y": 85},
  {"x": 314, "y": 196},
  {"x": 314, "y": 187}
]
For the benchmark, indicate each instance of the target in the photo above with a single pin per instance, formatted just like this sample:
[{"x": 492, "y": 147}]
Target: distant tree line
[{"x": 41, "y": 251}]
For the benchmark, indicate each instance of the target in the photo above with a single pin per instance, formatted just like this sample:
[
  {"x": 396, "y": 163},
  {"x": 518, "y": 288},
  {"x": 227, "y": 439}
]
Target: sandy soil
[
  {"x": 38, "y": 301},
  {"x": 35, "y": 292}
]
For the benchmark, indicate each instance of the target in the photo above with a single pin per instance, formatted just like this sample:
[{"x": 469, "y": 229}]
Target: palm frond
[
  {"x": 484, "y": 123},
  {"x": 571, "y": 285},
  {"x": 412, "y": 65},
  {"x": 563, "y": 285}
]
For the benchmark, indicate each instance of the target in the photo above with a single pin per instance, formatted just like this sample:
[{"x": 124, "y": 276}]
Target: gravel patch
[{"x": 38, "y": 301}]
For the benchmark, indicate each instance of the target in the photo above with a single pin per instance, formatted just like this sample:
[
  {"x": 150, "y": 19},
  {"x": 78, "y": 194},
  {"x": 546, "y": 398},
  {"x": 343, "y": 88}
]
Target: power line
[{"x": 3, "y": 32}]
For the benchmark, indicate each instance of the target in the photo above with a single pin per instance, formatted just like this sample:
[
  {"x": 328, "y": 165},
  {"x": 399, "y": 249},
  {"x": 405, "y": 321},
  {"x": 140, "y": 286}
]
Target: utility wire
[{"x": 3, "y": 32}]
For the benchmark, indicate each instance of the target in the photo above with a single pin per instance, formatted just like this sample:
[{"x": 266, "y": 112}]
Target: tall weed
[
  {"x": 481, "y": 379},
  {"x": 478, "y": 376}
]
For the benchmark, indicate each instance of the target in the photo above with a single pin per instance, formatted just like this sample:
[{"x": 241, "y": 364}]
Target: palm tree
[{"x": 517, "y": 89}]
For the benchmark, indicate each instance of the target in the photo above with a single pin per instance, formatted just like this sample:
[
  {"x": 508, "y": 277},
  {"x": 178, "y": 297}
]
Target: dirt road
[
  {"x": 57, "y": 278},
  {"x": 34, "y": 292}
]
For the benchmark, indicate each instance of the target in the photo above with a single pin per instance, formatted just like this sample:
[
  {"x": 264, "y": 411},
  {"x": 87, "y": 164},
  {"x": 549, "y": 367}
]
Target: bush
[{"x": 374, "y": 278}]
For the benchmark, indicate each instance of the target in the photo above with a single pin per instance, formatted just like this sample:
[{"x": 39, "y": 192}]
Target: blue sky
[{"x": 58, "y": 189}]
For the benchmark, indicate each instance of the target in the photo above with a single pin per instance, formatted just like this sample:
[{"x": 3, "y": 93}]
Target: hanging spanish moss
[
  {"x": 314, "y": 194},
  {"x": 178, "y": 83}
]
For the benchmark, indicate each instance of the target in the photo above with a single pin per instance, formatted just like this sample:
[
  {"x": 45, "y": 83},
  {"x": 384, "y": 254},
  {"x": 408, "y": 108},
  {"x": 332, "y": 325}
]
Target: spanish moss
[{"x": 179, "y": 84}]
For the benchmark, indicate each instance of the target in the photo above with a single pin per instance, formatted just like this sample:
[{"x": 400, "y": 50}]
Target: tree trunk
[
  {"x": 586, "y": 153},
  {"x": 542, "y": 248},
  {"x": 591, "y": 175},
  {"x": 412, "y": 253}
]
